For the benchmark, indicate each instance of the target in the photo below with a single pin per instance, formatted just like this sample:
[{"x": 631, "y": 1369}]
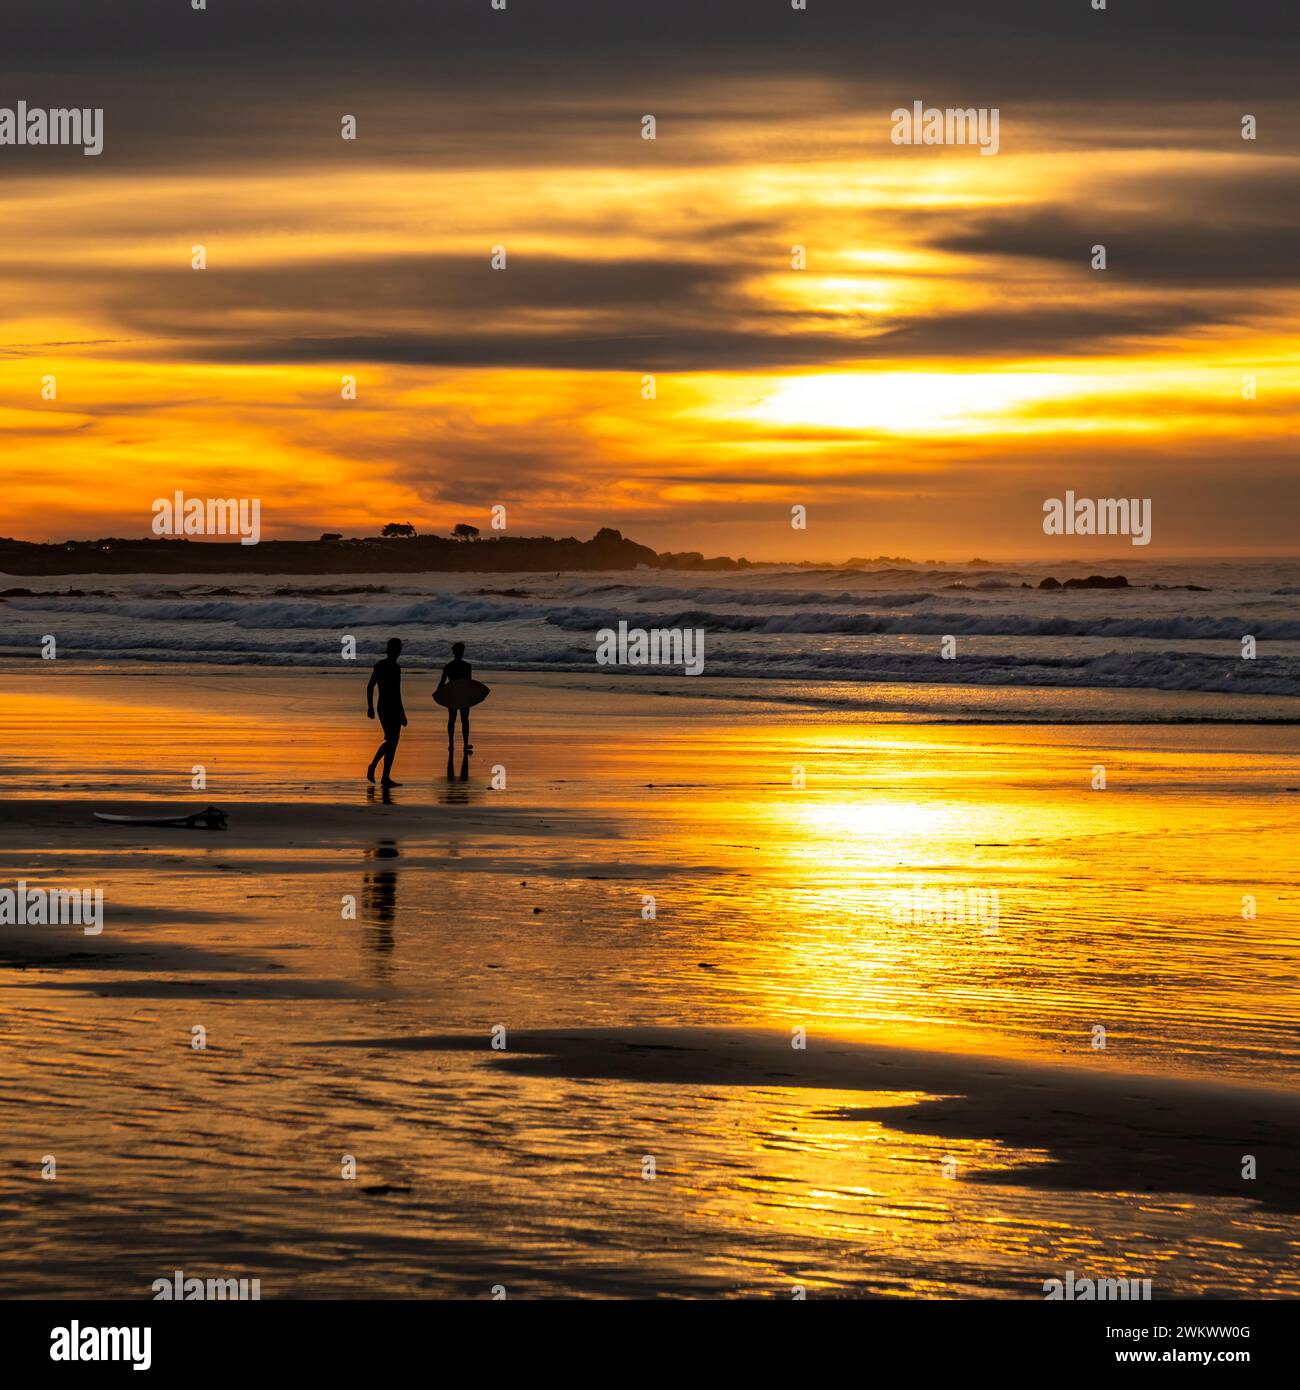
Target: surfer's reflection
[{"x": 379, "y": 899}]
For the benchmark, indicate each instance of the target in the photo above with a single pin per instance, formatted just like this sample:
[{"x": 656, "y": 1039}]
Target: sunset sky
[{"x": 946, "y": 361}]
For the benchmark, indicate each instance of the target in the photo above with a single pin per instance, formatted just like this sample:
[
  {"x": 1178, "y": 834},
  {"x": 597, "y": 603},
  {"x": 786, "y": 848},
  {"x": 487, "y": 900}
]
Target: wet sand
[
  {"x": 1104, "y": 1131},
  {"x": 950, "y": 1129}
]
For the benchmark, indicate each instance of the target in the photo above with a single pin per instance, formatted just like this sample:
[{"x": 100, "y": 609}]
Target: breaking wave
[{"x": 849, "y": 625}]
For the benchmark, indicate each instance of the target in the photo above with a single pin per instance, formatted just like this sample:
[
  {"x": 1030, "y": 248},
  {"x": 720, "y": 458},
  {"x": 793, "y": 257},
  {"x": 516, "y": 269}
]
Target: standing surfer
[
  {"x": 387, "y": 679},
  {"x": 457, "y": 669}
]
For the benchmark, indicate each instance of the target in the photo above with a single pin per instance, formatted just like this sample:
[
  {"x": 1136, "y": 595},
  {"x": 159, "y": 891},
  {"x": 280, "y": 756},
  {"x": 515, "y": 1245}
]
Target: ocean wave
[
  {"x": 830, "y": 625},
  {"x": 1170, "y": 627},
  {"x": 768, "y": 598},
  {"x": 1132, "y": 669},
  {"x": 287, "y": 615},
  {"x": 697, "y": 609}
]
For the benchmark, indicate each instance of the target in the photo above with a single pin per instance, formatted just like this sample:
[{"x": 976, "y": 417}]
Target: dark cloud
[
  {"x": 639, "y": 315},
  {"x": 395, "y": 290},
  {"x": 455, "y": 82},
  {"x": 1062, "y": 330},
  {"x": 1237, "y": 247},
  {"x": 250, "y": 81},
  {"x": 699, "y": 347},
  {"x": 724, "y": 36}
]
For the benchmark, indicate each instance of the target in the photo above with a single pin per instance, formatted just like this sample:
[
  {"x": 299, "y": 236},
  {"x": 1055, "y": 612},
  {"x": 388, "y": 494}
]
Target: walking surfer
[
  {"x": 387, "y": 679},
  {"x": 457, "y": 669}
]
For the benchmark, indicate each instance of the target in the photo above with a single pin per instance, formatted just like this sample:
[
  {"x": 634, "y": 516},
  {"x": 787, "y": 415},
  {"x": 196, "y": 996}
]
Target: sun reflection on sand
[{"x": 778, "y": 905}]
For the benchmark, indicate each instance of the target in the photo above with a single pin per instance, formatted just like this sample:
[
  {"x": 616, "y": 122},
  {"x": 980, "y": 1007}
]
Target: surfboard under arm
[{"x": 463, "y": 694}]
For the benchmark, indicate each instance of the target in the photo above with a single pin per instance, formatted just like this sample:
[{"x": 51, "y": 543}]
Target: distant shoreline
[{"x": 606, "y": 550}]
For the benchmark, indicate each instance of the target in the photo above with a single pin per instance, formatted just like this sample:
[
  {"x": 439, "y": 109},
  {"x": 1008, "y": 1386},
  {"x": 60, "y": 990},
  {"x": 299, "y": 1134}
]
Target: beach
[
  {"x": 642, "y": 657},
  {"x": 676, "y": 993}
]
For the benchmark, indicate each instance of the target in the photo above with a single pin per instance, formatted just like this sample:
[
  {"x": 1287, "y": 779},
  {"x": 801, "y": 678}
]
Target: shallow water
[{"x": 776, "y": 905}]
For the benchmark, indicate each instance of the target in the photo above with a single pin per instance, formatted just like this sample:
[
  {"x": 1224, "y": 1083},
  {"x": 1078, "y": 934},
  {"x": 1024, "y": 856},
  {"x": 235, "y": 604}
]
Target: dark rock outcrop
[
  {"x": 1093, "y": 581},
  {"x": 1097, "y": 581}
]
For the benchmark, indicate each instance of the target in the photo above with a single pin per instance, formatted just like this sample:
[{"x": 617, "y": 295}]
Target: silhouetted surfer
[
  {"x": 387, "y": 679},
  {"x": 457, "y": 669}
]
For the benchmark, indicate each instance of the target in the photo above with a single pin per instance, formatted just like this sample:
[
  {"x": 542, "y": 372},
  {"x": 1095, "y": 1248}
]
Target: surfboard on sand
[
  {"x": 462, "y": 694},
  {"x": 209, "y": 819}
]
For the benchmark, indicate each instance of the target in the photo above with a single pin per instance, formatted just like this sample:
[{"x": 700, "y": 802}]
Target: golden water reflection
[{"x": 805, "y": 873}]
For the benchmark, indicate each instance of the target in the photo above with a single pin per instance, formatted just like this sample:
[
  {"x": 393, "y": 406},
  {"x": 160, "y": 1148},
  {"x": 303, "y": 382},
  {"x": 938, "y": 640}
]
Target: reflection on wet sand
[
  {"x": 379, "y": 898},
  {"x": 853, "y": 903}
]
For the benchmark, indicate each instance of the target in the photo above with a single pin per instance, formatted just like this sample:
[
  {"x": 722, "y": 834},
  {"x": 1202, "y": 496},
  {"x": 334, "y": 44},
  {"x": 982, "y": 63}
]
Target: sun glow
[{"x": 901, "y": 402}]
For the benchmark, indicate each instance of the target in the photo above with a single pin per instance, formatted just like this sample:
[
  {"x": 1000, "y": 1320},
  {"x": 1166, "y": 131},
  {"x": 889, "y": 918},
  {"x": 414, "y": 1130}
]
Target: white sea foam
[{"x": 857, "y": 626}]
